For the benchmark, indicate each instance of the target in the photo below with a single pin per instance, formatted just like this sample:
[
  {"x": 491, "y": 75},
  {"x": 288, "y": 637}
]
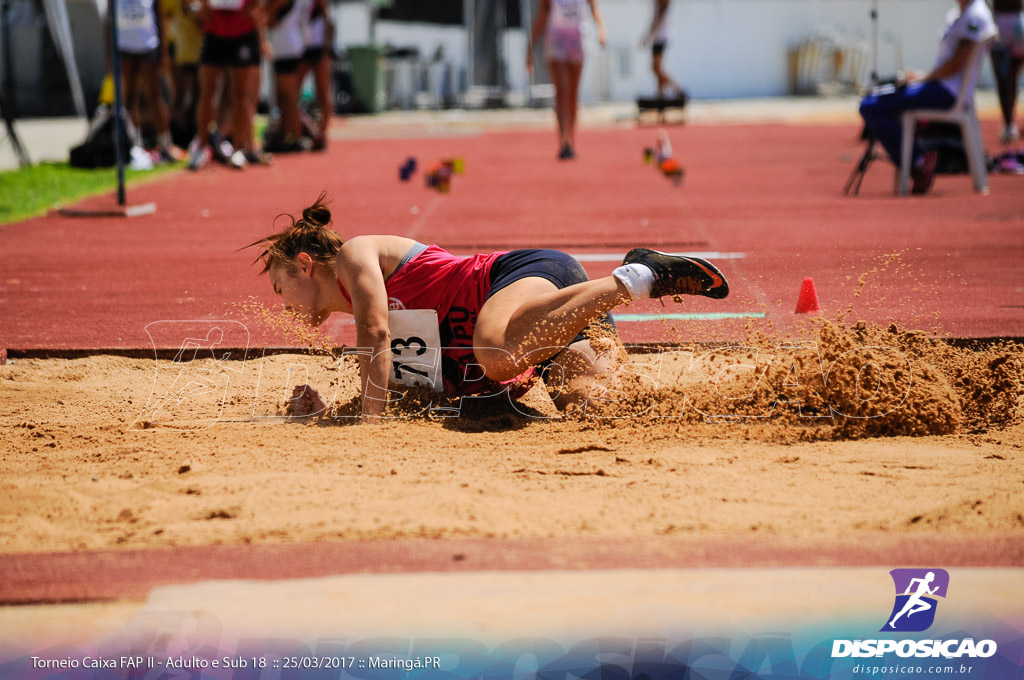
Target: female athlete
[{"x": 503, "y": 317}]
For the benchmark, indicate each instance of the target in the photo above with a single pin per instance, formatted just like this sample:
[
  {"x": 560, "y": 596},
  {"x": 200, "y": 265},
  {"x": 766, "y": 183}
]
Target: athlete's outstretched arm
[{"x": 358, "y": 267}]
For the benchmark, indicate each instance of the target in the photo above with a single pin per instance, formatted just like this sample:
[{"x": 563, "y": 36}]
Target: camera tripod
[{"x": 859, "y": 170}]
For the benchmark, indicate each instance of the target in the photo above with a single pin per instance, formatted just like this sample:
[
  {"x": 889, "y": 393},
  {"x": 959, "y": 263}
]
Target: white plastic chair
[{"x": 963, "y": 113}]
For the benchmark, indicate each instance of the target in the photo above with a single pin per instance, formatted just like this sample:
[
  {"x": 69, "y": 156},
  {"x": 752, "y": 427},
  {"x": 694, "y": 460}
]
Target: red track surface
[
  {"x": 131, "y": 574},
  {"x": 771, "y": 191}
]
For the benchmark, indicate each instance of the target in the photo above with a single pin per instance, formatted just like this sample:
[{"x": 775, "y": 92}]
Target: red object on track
[{"x": 807, "y": 303}]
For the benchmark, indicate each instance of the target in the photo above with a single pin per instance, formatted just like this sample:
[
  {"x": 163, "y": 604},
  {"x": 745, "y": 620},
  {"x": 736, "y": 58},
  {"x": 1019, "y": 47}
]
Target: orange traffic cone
[{"x": 808, "y": 300}]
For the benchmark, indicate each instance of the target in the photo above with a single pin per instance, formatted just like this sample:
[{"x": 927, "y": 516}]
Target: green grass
[{"x": 30, "y": 192}]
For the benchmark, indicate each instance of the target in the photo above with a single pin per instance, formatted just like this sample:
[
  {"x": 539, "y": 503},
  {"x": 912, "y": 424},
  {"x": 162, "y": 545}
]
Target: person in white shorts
[
  {"x": 143, "y": 50},
  {"x": 883, "y": 107},
  {"x": 289, "y": 25},
  {"x": 561, "y": 22}
]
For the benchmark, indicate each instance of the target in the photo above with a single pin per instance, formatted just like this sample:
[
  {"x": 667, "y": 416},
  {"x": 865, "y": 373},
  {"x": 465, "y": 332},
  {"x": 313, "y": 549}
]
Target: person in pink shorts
[{"x": 561, "y": 22}]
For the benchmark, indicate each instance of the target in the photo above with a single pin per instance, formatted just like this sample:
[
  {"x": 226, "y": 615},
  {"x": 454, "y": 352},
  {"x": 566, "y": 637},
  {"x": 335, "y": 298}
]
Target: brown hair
[{"x": 309, "y": 235}]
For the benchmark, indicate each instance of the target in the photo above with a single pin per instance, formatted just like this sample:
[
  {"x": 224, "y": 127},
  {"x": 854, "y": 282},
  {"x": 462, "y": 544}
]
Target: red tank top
[
  {"x": 230, "y": 23},
  {"x": 456, "y": 288}
]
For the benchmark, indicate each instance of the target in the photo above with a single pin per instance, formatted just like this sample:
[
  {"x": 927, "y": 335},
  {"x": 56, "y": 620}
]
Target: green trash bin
[{"x": 368, "y": 77}]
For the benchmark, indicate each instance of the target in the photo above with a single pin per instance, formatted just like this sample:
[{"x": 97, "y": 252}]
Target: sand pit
[{"x": 853, "y": 432}]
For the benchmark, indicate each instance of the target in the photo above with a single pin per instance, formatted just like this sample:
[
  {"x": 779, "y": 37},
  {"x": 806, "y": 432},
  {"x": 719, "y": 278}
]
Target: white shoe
[
  {"x": 198, "y": 154},
  {"x": 1010, "y": 135},
  {"x": 222, "y": 148},
  {"x": 140, "y": 159},
  {"x": 238, "y": 160}
]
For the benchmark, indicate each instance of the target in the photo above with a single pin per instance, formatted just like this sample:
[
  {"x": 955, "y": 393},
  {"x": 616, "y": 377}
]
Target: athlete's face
[{"x": 299, "y": 290}]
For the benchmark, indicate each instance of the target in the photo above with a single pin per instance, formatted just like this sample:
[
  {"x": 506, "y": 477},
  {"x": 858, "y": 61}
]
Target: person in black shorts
[
  {"x": 233, "y": 42},
  {"x": 317, "y": 59},
  {"x": 657, "y": 37}
]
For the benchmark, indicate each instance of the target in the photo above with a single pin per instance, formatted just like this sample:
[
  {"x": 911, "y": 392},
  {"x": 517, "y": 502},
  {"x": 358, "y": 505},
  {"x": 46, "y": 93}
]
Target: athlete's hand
[{"x": 305, "y": 402}]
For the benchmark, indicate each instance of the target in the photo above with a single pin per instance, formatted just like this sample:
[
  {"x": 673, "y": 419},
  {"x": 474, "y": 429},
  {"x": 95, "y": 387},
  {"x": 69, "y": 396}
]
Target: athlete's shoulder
[
  {"x": 360, "y": 248},
  {"x": 374, "y": 247},
  {"x": 371, "y": 242}
]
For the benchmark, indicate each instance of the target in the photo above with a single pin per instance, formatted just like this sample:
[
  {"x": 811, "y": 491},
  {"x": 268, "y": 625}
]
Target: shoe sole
[{"x": 719, "y": 287}]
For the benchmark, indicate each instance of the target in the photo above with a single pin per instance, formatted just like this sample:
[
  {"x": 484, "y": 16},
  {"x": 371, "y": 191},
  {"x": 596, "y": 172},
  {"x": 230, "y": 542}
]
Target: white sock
[{"x": 637, "y": 279}]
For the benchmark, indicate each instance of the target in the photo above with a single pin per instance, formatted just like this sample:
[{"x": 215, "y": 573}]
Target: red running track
[
  {"x": 771, "y": 192},
  {"x": 131, "y": 574}
]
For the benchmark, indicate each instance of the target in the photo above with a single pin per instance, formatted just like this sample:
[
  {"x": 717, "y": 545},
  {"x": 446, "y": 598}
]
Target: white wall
[
  {"x": 352, "y": 22},
  {"x": 737, "y": 48},
  {"x": 717, "y": 49}
]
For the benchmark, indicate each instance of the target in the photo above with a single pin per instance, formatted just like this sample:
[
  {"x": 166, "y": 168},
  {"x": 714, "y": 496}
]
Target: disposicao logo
[{"x": 916, "y": 593}]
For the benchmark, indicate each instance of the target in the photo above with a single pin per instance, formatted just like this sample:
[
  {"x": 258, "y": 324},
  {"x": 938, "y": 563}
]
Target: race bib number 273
[{"x": 415, "y": 348}]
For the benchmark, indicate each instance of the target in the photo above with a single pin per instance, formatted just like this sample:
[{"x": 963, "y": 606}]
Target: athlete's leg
[
  {"x": 186, "y": 95},
  {"x": 130, "y": 88},
  {"x": 659, "y": 75},
  {"x": 286, "y": 88},
  {"x": 244, "y": 94},
  {"x": 1011, "y": 90},
  {"x": 573, "y": 72},
  {"x": 150, "y": 74},
  {"x": 534, "y": 317},
  {"x": 665, "y": 81},
  {"x": 322, "y": 80},
  {"x": 1000, "y": 57},
  {"x": 584, "y": 370},
  {"x": 225, "y": 109},
  {"x": 559, "y": 79},
  {"x": 209, "y": 84},
  {"x": 301, "y": 73}
]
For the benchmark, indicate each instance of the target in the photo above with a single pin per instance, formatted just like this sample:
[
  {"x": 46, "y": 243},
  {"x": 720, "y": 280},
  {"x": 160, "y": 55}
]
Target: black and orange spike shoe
[{"x": 680, "y": 275}]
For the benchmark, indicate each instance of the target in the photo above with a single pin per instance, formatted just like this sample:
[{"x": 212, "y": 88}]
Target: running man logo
[{"x": 916, "y": 590}]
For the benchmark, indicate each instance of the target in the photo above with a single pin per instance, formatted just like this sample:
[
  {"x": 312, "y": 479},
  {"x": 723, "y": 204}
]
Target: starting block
[{"x": 660, "y": 105}]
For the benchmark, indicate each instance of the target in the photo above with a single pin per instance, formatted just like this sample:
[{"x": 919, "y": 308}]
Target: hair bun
[{"x": 317, "y": 215}]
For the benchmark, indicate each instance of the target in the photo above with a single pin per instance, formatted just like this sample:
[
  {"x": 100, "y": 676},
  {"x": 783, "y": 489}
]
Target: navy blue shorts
[{"x": 554, "y": 265}]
